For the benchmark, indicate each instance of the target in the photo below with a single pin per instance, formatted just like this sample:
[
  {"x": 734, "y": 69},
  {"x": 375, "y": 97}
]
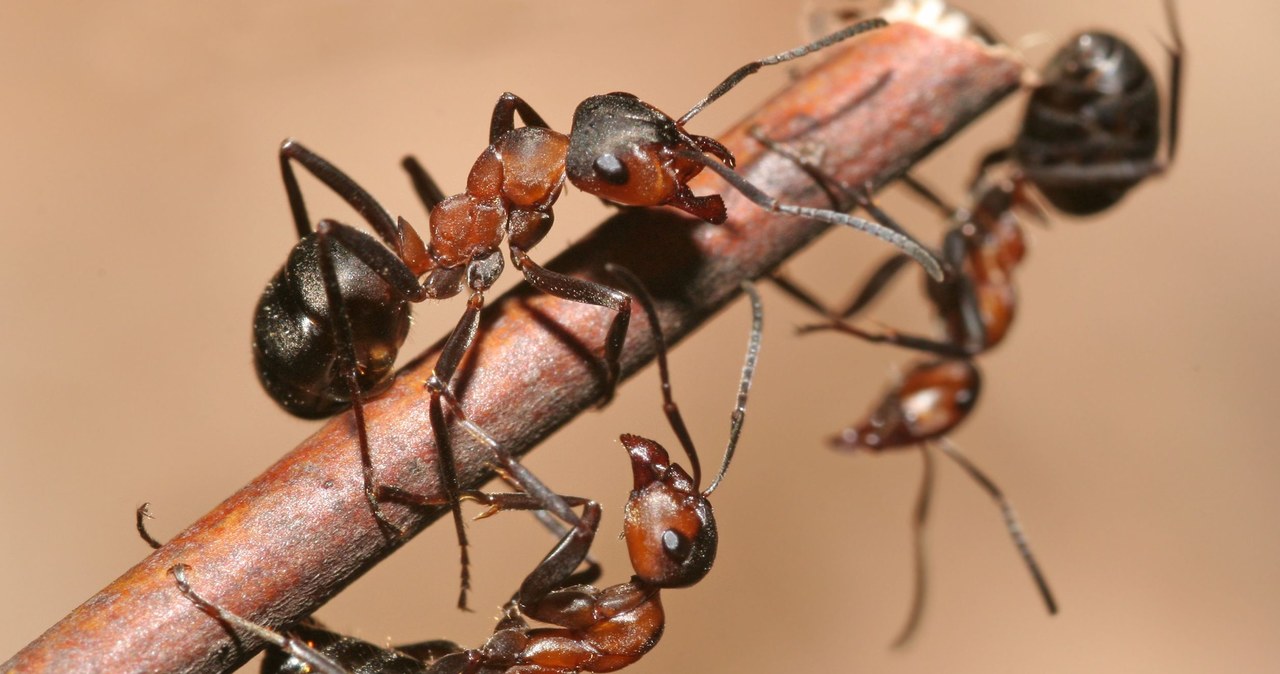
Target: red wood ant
[
  {"x": 671, "y": 536},
  {"x": 619, "y": 149},
  {"x": 933, "y": 397},
  {"x": 1091, "y": 133}
]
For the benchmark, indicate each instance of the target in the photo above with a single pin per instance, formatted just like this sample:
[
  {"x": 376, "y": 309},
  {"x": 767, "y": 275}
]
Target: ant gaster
[{"x": 671, "y": 537}]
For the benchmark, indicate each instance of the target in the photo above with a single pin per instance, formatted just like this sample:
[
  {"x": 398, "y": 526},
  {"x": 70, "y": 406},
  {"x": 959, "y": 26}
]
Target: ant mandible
[{"x": 671, "y": 536}]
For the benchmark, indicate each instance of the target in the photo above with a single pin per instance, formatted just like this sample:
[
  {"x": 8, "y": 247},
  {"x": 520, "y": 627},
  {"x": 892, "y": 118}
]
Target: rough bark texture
[{"x": 302, "y": 531}]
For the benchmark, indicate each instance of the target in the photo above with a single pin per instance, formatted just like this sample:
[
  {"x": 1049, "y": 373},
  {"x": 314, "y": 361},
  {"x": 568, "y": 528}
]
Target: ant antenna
[
  {"x": 902, "y": 241},
  {"x": 748, "y": 372},
  {"x": 751, "y": 68},
  {"x": 669, "y": 407},
  {"x": 920, "y": 586},
  {"x": 1010, "y": 521}
]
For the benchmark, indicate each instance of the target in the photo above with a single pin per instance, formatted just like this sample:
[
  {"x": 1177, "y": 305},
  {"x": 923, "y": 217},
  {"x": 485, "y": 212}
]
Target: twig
[{"x": 302, "y": 531}]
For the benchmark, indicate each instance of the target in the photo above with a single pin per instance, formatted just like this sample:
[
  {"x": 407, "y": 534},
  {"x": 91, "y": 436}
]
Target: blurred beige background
[{"x": 1125, "y": 415}]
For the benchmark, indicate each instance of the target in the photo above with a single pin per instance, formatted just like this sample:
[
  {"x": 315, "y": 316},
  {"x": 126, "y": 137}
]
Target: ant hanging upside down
[
  {"x": 1091, "y": 132},
  {"x": 671, "y": 536},
  {"x": 332, "y": 320}
]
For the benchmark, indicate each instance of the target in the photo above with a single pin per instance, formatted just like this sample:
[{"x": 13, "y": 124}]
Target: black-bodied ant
[
  {"x": 332, "y": 320},
  {"x": 671, "y": 536}
]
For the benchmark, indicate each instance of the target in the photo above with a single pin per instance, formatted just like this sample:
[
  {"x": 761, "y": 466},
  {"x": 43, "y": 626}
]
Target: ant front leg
[
  {"x": 889, "y": 336},
  {"x": 504, "y": 116},
  {"x": 556, "y": 570},
  {"x": 587, "y": 292}
]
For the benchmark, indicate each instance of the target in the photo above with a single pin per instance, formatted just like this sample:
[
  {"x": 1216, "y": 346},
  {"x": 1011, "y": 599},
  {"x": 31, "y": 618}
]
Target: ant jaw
[
  {"x": 857, "y": 439},
  {"x": 650, "y": 462}
]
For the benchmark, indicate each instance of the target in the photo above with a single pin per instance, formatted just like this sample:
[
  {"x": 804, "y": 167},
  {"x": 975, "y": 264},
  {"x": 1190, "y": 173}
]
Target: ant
[
  {"x": 671, "y": 536},
  {"x": 1091, "y": 133},
  {"x": 331, "y": 321},
  {"x": 619, "y": 149}
]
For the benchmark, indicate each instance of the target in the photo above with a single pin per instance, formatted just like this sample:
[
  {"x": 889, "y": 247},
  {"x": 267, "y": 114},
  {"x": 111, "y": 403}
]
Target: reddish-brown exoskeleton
[
  {"x": 620, "y": 149},
  {"x": 1091, "y": 132},
  {"x": 671, "y": 536},
  {"x": 331, "y": 322}
]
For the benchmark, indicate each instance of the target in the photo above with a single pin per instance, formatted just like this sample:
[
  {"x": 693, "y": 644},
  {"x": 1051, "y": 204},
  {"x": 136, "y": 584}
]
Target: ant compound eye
[
  {"x": 675, "y": 545},
  {"x": 611, "y": 169}
]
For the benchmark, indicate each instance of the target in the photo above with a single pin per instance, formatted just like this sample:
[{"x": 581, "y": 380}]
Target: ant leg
[
  {"x": 342, "y": 184},
  {"x": 455, "y": 347},
  {"x": 586, "y": 292},
  {"x": 839, "y": 194},
  {"x": 1010, "y": 521},
  {"x": 874, "y": 285},
  {"x": 742, "y": 73},
  {"x": 299, "y": 649},
  {"x": 1118, "y": 172},
  {"x": 919, "y": 516},
  {"x": 902, "y": 241},
  {"x": 144, "y": 514},
  {"x": 504, "y": 116},
  {"x": 991, "y": 158},
  {"x": 556, "y": 569},
  {"x": 429, "y": 651},
  {"x": 930, "y": 195},
  {"x": 515, "y": 474},
  {"x": 889, "y": 336},
  {"x": 1176, "y": 53},
  {"x": 669, "y": 407},
  {"x": 428, "y": 191},
  {"x": 349, "y": 366}
]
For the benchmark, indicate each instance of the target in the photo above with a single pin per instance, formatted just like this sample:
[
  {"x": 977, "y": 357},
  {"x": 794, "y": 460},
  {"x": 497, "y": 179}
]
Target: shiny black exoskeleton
[{"x": 1092, "y": 129}]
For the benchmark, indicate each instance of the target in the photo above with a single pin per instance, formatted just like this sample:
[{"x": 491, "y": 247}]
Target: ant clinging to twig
[{"x": 671, "y": 536}]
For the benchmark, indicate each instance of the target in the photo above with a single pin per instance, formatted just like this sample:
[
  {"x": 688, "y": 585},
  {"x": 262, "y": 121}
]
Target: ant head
[
  {"x": 629, "y": 152},
  {"x": 932, "y": 398},
  {"x": 669, "y": 526}
]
